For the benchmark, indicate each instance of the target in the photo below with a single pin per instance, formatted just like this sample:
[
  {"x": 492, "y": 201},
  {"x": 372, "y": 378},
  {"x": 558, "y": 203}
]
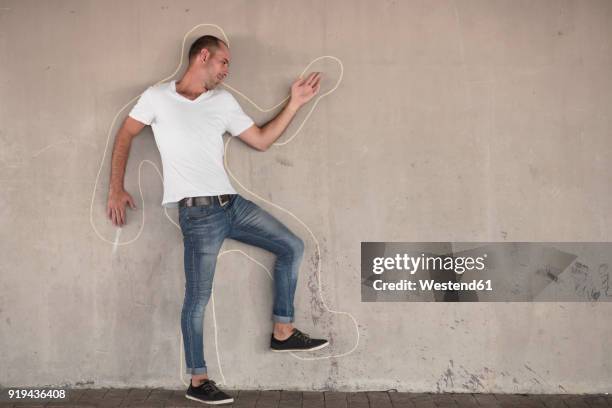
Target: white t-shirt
[{"x": 189, "y": 136}]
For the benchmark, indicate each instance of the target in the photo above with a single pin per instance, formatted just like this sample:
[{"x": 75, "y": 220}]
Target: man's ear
[{"x": 204, "y": 54}]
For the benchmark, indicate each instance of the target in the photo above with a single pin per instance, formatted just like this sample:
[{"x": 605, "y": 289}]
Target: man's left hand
[{"x": 303, "y": 89}]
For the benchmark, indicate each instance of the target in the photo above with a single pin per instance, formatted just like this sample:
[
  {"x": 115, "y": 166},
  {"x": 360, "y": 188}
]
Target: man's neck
[{"x": 190, "y": 87}]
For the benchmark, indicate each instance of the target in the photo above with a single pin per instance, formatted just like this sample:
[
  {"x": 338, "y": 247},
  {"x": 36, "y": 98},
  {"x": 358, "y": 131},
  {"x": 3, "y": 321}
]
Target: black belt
[{"x": 205, "y": 200}]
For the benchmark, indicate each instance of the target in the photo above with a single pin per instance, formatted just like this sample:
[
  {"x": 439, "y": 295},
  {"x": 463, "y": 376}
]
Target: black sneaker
[
  {"x": 208, "y": 393},
  {"x": 298, "y": 341}
]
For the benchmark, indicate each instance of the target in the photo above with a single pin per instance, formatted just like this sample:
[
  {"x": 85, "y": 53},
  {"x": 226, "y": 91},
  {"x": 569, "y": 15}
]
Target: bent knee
[{"x": 296, "y": 246}]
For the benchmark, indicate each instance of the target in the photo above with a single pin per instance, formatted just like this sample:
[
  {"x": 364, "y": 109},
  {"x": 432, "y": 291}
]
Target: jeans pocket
[{"x": 200, "y": 212}]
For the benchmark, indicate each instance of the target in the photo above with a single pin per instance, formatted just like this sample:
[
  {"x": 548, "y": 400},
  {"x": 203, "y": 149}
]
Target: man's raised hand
[{"x": 303, "y": 89}]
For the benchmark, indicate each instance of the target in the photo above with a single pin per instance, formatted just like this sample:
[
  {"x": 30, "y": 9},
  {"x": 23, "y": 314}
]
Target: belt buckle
[{"x": 221, "y": 202}]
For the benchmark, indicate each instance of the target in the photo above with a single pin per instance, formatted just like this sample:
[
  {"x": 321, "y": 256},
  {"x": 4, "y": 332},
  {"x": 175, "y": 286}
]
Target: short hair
[{"x": 210, "y": 42}]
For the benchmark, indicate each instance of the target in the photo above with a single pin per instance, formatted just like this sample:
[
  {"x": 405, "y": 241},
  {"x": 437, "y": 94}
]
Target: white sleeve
[
  {"x": 143, "y": 110},
  {"x": 236, "y": 120}
]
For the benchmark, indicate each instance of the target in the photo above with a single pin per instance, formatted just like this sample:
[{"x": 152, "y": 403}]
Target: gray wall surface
[{"x": 454, "y": 121}]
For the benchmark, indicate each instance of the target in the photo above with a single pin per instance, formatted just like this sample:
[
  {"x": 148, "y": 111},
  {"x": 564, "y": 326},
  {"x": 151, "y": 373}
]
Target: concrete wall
[{"x": 454, "y": 121}]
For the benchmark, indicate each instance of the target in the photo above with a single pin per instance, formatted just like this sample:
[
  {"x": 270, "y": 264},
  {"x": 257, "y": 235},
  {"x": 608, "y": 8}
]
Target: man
[{"x": 189, "y": 118}]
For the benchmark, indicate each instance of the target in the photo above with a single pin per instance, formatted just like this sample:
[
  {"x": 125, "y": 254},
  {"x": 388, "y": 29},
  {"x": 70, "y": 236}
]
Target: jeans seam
[
  {"x": 189, "y": 316},
  {"x": 194, "y": 296}
]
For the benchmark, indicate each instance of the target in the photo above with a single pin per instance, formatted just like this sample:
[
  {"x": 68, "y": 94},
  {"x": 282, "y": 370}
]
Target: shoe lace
[
  {"x": 210, "y": 386},
  {"x": 302, "y": 336}
]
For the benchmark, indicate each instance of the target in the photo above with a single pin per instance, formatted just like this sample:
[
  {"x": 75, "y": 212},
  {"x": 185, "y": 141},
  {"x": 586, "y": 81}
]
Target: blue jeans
[{"x": 204, "y": 229}]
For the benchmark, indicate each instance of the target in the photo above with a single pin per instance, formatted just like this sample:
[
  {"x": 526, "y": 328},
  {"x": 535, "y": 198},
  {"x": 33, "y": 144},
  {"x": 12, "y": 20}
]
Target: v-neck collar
[{"x": 200, "y": 97}]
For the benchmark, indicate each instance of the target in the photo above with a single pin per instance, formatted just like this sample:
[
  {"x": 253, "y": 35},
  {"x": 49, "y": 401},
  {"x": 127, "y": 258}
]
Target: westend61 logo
[
  {"x": 412, "y": 264},
  {"x": 438, "y": 271}
]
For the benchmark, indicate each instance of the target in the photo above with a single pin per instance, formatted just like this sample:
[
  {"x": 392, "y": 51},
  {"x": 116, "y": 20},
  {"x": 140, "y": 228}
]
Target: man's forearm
[
  {"x": 275, "y": 128},
  {"x": 119, "y": 160}
]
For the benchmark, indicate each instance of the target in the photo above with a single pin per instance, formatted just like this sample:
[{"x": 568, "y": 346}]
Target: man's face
[{"x": 216, "y": 67}]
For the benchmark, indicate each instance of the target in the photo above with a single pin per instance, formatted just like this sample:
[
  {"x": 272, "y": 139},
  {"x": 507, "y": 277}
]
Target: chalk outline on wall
[{"x": 116, "y": 242}]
